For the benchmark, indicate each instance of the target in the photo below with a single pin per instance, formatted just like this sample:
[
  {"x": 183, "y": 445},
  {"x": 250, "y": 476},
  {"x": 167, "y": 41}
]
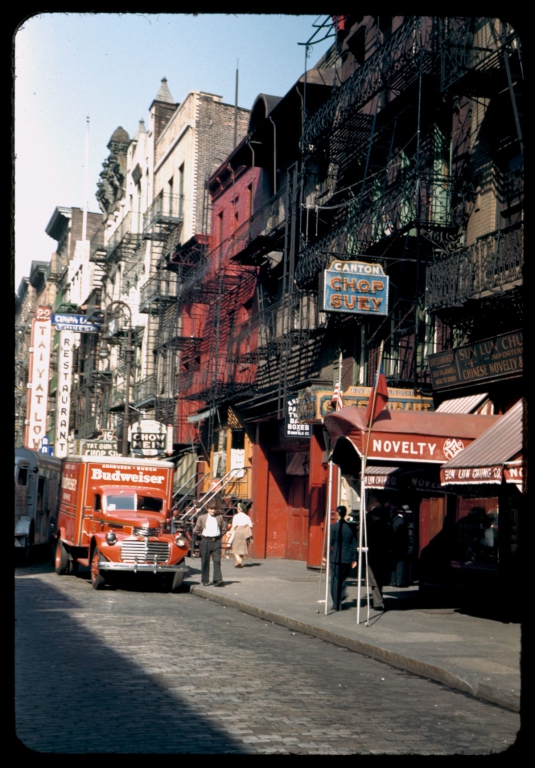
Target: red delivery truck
[{"x": 115, "y": 517}]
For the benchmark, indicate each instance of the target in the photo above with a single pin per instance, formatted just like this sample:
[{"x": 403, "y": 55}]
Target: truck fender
[{"x": 92, "y": 546}]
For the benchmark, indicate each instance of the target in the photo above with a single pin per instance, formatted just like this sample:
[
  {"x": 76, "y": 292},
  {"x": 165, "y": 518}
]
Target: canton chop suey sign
[{"x": 354, "y": 287}]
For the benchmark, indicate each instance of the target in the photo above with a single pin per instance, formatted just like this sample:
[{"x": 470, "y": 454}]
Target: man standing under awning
[{"x": 378, "y": 539}]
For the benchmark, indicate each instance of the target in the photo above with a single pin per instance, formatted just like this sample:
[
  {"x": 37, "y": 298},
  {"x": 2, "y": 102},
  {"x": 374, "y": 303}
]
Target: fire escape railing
[
  {"x": 490, "y": 264},
  {"x": 393, "y": 60}
]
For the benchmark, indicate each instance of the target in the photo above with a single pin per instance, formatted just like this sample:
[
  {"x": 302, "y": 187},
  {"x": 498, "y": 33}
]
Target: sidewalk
[{"x": 475, "y": 655}]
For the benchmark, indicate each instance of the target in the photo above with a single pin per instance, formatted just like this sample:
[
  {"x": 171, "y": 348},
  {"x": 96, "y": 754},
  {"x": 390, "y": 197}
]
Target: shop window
[
  {"x": 476, "y": 537},
  {"x": 238, "y": 438}
]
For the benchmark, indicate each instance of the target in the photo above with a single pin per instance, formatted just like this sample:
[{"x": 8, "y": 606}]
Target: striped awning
[
  {"x": 462, "y": 404},
  {"x": 493, "y": 457}
]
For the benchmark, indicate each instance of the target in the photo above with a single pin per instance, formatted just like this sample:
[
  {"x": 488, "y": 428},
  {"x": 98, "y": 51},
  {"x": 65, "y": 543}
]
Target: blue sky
[{"x": 108, "y": 67}]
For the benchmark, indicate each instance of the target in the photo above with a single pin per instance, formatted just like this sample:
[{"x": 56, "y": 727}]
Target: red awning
[
  {"x": 416, "y": 436},
  {"x": 495, "y": 456}
]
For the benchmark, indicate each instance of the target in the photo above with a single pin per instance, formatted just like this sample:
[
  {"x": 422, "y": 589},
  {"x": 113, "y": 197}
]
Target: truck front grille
[
  {"x": 145, "y": 531},
  {"x": 144, "y": 551}
]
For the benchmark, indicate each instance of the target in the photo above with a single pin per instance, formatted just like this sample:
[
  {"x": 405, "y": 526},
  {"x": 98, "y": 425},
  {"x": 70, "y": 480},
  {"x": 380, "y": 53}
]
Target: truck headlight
[
  {"x": 180, "y": 541},
  {"x": 111, "y": 538}
]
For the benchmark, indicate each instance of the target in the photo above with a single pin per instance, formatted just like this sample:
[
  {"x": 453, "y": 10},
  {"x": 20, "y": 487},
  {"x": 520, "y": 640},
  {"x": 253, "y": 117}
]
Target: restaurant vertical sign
[
  {"x": 38, "y": 382},
  {"x": 63, "y": 393}
]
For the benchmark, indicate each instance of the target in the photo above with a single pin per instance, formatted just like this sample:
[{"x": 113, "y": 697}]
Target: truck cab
[{"x": 115, "y": 517}]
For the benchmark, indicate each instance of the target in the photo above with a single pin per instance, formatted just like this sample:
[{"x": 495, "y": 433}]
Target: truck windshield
[
  {"x": 149, "y": 503},
  {"x": 120, "y": 501}
]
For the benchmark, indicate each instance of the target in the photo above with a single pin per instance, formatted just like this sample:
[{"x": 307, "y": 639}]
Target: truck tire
[
  {"x": 61, "y": 558},
  {"x": 176, "y": 581},
  {"x": 97, "y": 579}
]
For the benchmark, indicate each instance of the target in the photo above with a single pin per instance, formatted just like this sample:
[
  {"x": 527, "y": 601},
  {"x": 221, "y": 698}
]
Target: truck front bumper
[{"x": 108, "y": 565}]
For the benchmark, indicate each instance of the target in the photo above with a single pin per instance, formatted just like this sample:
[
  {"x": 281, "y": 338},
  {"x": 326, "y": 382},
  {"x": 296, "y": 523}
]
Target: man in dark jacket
[
  {"x": 400, "y": 546},
  {"x": 343, "y": 555},
  {"x": 210, "y": 527},
  {"x": 379, "y": 546}
]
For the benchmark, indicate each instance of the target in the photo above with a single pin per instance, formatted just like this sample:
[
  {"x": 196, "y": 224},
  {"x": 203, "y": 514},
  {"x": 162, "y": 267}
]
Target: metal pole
[
  {"x": 328, "y": 537},
  {"x": 362, "y": 511},
  {"x": 362, "y": 522},
  {"x": 126, "y": 418}
]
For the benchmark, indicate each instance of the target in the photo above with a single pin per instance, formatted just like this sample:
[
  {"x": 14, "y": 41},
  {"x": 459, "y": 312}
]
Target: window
[
  {"x": 171, "y": 201},
  {"x": 149, "y": 504},
  {"x": 120, "y": 501},
  {"x": 23, "y": 476},
  {"x": 181, "y": 191}
]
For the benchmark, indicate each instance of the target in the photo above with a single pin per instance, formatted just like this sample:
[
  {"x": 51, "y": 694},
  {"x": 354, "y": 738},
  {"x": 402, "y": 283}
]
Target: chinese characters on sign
[{"x": 495, "y": 358}]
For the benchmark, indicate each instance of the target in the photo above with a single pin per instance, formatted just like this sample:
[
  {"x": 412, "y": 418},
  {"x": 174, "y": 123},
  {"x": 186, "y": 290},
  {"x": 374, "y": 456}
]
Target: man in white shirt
[{"x": 210, "y": 527}]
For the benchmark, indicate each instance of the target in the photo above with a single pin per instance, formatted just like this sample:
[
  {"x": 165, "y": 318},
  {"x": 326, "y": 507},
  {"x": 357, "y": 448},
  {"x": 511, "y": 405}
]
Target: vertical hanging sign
[
  {"x": 39, "y": 373},
  {"x": 63, "y": 392}
]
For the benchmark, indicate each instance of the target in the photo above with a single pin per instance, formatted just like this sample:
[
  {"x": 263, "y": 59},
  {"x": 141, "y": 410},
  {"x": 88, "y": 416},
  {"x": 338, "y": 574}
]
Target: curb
[{"x": 491, "y": 694}]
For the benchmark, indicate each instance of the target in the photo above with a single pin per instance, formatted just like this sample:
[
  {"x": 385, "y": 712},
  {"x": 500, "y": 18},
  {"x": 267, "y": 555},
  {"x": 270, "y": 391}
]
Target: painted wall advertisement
[{"x": 314, "y": 403}]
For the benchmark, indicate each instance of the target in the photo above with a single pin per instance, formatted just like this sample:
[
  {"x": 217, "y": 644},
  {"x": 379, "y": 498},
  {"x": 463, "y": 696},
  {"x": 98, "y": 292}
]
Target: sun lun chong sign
[{"x": 354, "y": 287}]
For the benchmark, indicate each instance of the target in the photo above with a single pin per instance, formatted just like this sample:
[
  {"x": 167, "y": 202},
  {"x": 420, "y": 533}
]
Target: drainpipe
[{"x": 274, "y": 155}]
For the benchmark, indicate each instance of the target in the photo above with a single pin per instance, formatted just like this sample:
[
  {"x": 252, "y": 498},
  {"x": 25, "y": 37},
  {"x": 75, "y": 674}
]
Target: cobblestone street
[{"x": 132, "y": 671}]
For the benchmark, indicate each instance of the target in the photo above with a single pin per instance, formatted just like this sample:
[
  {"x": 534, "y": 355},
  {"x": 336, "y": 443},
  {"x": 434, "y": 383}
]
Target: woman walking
[{"x": 241, "y": 533}]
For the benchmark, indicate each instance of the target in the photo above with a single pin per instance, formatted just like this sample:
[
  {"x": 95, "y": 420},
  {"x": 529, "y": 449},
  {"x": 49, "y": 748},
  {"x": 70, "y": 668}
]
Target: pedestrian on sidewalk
[
  {"x": 378, "y": 533},
  {"x": 210, "y": 527},
  {"x": 400, "y": 547},
  {"x": 342, "y": 555},
  {"x": 241, "y": 534}
]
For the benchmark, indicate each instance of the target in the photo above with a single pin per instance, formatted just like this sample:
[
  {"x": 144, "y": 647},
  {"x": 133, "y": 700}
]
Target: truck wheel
[
  {"x": 61, "y": 559},
  {"x": 97, "y": 579},
  {"x": 176, "y": 581}
]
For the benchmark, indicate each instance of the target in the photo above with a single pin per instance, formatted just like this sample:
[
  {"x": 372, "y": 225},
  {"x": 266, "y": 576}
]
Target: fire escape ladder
[
  {"x": 224, "y": 483},
  {"x": 186, "y": 492},
  {"x": 287, "y": 293}
]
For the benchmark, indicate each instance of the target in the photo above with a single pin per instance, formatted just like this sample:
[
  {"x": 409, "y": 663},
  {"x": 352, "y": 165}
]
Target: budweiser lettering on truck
[{"x": 115, "y": 517}]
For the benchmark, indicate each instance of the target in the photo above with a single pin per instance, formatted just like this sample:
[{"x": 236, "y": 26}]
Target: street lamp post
[{"x": 128, "y": 359}]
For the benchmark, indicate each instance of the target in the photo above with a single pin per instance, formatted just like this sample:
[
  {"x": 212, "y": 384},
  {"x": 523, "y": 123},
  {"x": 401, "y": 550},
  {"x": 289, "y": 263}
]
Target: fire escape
[
  {"x": 211, "y": 291},
  {"x": 390, "y": 187},
  {"x": 94, "y": 386},
  {"x": 162, "y": 225},
  {"x": 273, "y": 351},
  {"x": 482, "y": 59}
]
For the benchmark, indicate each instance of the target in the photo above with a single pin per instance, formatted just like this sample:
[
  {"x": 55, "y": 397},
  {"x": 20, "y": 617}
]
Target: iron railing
[{"x": 490, "y": 264}]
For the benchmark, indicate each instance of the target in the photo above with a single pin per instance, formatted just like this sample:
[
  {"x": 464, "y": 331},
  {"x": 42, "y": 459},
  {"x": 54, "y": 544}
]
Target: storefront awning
[
  {"x": 401, "y": 436},
  {"x": 381, "y": 477},
  {"x": 495, "y": 456},
  {"x": 463, "y": 404}
]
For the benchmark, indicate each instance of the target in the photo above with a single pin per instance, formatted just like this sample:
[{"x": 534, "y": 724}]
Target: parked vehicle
[
  {"x": 115, "y": 517},
  {"x": 37, "y": 478}
]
